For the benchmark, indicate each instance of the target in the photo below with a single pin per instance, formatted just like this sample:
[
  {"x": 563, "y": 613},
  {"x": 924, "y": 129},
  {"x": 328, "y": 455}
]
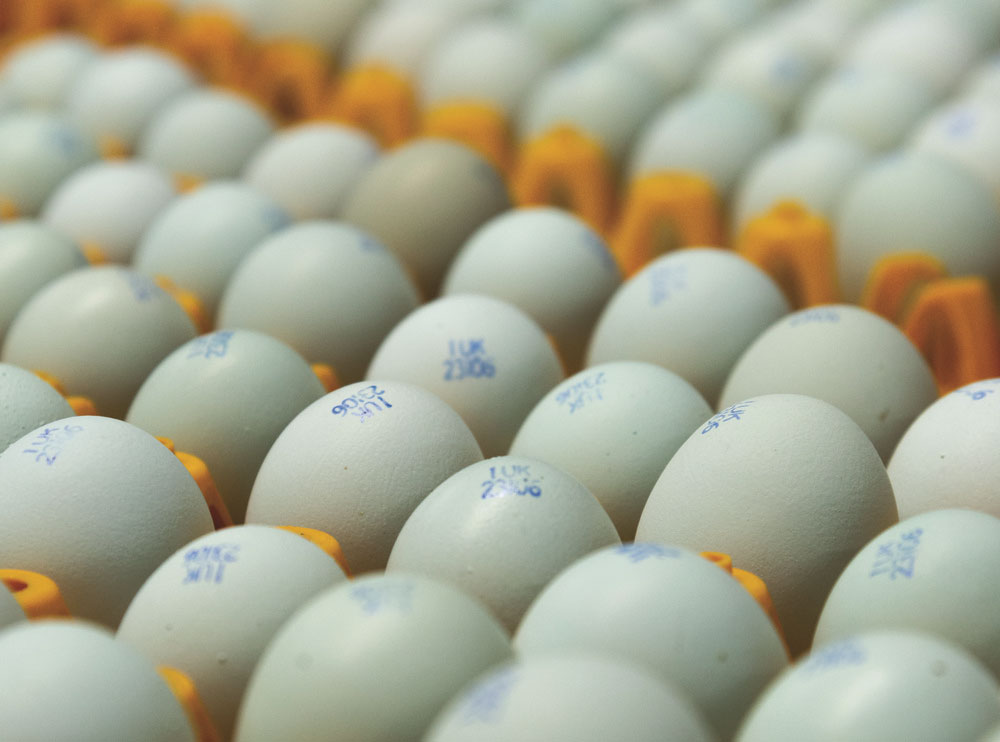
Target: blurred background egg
[
  {"x": 27, "y": 402},
  {"x": 10, "y": 610},
  {"x": 39, "y": 73}
]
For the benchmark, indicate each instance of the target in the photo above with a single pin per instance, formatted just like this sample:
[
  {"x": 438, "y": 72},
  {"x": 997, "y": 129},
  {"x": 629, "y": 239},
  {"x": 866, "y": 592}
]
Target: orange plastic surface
[
  {"x": 477, "y": 125},
  {"x": 292, "y": 78},
  {"x": 38, "y": 595},
  {"x": 135, "y": 22},
  {"x": 189, "y": 302},
  {"x": 568, "y": 169},
  {"x": 93, "y": 252},
  {"x": 378, "y": 100},
  {"x": 8, "y": 210},
  {"x": 33, "y": 16},
  {"x": 198, "y": 470},
  {"x": 896, "y": 280},
  {"x": 51, "y": 380},
  {"x": 187, "y": 695},
  {"x": 323, "y": 540},
  {"x": 215, "y": 44},
  {"x": 665, "y": 211},
  {"x": 113, "y": 148},
  {"x": 327, "y": 376},
  {"x": 82, "y": 405},
  {"x": 796, "y": 248},
  {"x": 187, "y": 182}
]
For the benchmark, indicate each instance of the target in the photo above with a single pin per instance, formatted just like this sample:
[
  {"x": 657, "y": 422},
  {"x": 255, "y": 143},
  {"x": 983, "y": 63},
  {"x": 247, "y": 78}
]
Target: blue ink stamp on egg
[
  {"x": 143, "y": 288},
  {"x": 897, "y": 558},
  {"x": 846, "y": 653},
  {"x": 215, "y": 345},
  {"x": 376, "y": 599},
  {"x": 817, "y": 315},
  {"x": 641, "y": 552},
  {"x": 511, "y": 479},
  {"x": 364, "y": 404},
  {"x": 485, "y": 703},
  {"x": 208, "y": 564},
  {"x": 979, "y": 390},
  {"x": 581, "y": 393},
  {"x": 665, "y": 282},
  {"x": 50, "y": 442},
  {"x": 730, "y": 414},
  {"x": 468, "y": 359}
]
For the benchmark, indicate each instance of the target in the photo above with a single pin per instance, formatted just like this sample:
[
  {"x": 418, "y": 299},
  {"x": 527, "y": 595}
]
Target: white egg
[
  {"x": 945, "y": 458},
  {"x": 309, "y": 169},
  {"x": 484, "y": 357},
  {"x": 572, "y": 696},
  {"x": 400, "y": 36},
  {"x": 917, "y": 202},
  {"x": 320, "y": 22},
  {"x": 40, "y": 73},
  {"x": 355, "y": 464},
  {"x": 100, "y": 331},
  {"x": 212, "y": 608},
  {"x": 668, "y": 610},
  {"x": 501, "y": 529},
  {"x": 10, "y": 610},
  {"x": 850, "y": 357},
  {"x": 31, "y": 255},
  {"x": 95, "y": 504},
  {"x": 547, "y": 262},
  {"x": 121, "y": 91},
  {"x": 713, "y": 133},
  {"x": 225, "y": 397},
  {"x": 813, "y": 169},
  {"x": 423, "y": 201},
  {"x": 614, "y": 427},
  {"x": 70, "y": 680},
  {"x": 879, "y": 686},
  {"x": 789, "y": 486},
  {"x": 984, "y": 81},
  {"x": 932, "y": 572},
  {"x": 719, "y": 19},
  {"x": 373, "y": 659},
  {"x": 205, "y": 134},
  {"x": 200, "y": 238},
  {"x": 27, "y": 403},
  {"x": 693, "y": 311},
  {"x": 565, "y": 27},
  {"x": 109, "y": 205},
  {"x": 875, "y": 106},
  {"x": 37, "y": 151},
  {"x": 822, "y": 26}
]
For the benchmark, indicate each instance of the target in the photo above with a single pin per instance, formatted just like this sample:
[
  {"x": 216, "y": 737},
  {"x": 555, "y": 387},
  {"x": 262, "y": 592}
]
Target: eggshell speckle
[{"x": 26, "y": 402}]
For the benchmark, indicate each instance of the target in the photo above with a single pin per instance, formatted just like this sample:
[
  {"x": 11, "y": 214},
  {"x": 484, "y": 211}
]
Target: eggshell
[
  {"x": 27, "y": 402},
  {"x": 100, "y": 331},
  {"x": 212, "y": 608},
  {"x": 548, "y": 263},
  {"x": 356, "y": 462},
  {"x": 565, "y": 27},
  {"x": 200, "y": 238},
  {"x": 65, "y": 681},
  {"x": 10, "y": 610},
  {"x": 205, "y": 133},
  {"x": 917, "y": 202},
  {"x": 308, "y": 169},
  {"x": 321, "y": 22},
  {"x": 719, "y": 19},
  {"x": 879, "y": 686},
  {"x": 932, "y": 572},
  {"x": 120, "y": 92},
  {"x": 984, "y": 81},
  {"x": 423, "y": 200},
  {"x": 614, "y": 427},
  {"x": 225, "y": 397},
  {"x": 577, "y": 696},
  {"x": 31, "y": 255},
  {"x": 37, "y": 151},
  {"x": 39, "y": 73},
  {"x": 501, "y": 529},
  {"x": 692, "y": 311},
  {"x": 484, "y": 357},
  {"x": 400, "y": 35},
  {"x": 373, "y": 659},
  {"x": 96, "y": 504},
  {"x": 109, "y": 205},
  {"x": 787, "y": 485},
  {"x": 668, "y": 610},
  {"x": 821, "y": 26}
]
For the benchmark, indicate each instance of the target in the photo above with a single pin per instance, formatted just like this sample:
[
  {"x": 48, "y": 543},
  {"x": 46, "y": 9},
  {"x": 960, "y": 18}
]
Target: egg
[
  {"x": 69, "y": 680},
  {"x": 578, "y": 696},
  {"x": 212, "y": 608},
  {"x": 373, "y": 659},
  {"x": 120, "y": 92},
  {"x": 40, "y": 72},
  {"x": 787, "y": 485},
  {"x": 308, "y": 169},
  {"x": 100, "y": 331},
  {"x": 668, "y": 610},
  {"x": 322, "y": 23},
  {"x": 720, "y": 19},
  {"x": 879, "y": 686},
  {"x": 813, "y": 169},
  {"x": 822, "y": 26},
  {"x": 484, "y": 357},
  {"x": 423, "y": 200},
  {"x": 205, "y": 134},
  {"x": 875, "y": 106},
  {"x": 95, "y": 504},
  {"x": 200, "y": 238},
  {"x": 326, "y": 288},
  {"x": 37, "y": 151},
  {"x": 10, "y": 610},
  {"x": 501, "y": 529},
  {"x": 31, "y": 255},
  {"x": 944, "y": 459},
  {"x": 666, "y": 313},
  {"x": 614, "y": 427},
  {"x": 917, "y": 202},
  {"x": 984, "y": 81},
  {"x": 565, "y": 27},
  {"x": 931, "y": 572},
  {"x": 27, "y": 403},
  {"x": 356, "y": 462},
  {"x": 548, "y": 263},
  {"x": 200, "y": 398},
  {"x": 109, "y": 206},
  {"x": 850, "y": 357}
]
